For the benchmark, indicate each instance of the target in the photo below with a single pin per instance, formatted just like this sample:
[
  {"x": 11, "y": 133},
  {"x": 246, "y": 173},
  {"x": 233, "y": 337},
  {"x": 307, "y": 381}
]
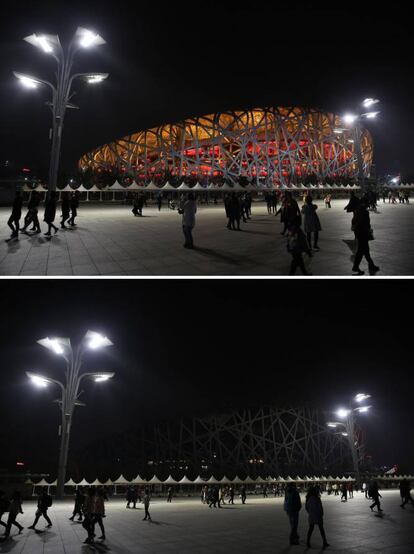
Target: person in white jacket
[{"x": 188, "y": 209}]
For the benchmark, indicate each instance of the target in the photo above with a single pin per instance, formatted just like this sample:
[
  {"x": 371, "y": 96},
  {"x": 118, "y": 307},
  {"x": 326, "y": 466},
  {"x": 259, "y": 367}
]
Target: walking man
[
  {"x": 292, "y": 507},
  {"x": 14, "y": 219},
  {"x": 43, "y": 504},
  {"x": 14, "y": 510},
  {"x": 188, "y": 211},
  {"x": 375, "y": 495},
  {"x": 363, "y": 233},
  {"x": 169, "y": 494},
  {"x": 31, "y": 216},
  {"x": 79, "y": 501},
  {"x": 243, "y": 494},
  {"x": 231, "y": 494},
  {"x": 65, "y": 209},
  {"x": 147, "y": 500},
  {"x": 74, "y": 204},
  {"x": 405, "y": 491},
  {"x": 50, "y": 212}
]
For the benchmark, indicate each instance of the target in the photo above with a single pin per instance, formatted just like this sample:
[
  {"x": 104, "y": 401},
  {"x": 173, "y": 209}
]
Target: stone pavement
[
  {"x": 187, "y": 527},
  {"x": 109, "y": 240}
]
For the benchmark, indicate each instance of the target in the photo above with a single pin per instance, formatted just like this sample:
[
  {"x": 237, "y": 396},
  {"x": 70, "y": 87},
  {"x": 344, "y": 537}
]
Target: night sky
[
  {"x": 173, "y": 60},
  {"x": 195, "y": 347}
]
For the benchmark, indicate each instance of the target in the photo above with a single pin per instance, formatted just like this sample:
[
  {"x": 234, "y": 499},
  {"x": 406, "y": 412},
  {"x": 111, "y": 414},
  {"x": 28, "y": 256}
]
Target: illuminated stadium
[{"x": 273, "y": 145}]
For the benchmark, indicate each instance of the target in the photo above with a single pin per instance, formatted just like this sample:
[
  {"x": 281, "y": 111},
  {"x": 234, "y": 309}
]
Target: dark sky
[
  {"x": 172, "y": 60},
  {"x": 194, "y": 347}
]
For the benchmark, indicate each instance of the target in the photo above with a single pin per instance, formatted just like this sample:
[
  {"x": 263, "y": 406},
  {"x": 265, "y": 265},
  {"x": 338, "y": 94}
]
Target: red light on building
[{"x": 26, "y": 169}]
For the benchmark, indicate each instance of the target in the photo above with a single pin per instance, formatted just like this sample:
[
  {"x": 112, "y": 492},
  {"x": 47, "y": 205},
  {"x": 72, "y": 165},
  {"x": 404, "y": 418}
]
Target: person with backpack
[
  {"x": 297, "y": 244},
  {"x": 14, "y": 508},
  {"x": 292, "y": 506},
  {"x": 315, "y": 510},
  {"x": 43, "y": 504}
]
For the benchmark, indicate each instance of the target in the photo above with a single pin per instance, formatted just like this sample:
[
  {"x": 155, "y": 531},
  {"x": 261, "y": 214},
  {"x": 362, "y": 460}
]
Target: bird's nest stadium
[{"x": 271, "y": 145}]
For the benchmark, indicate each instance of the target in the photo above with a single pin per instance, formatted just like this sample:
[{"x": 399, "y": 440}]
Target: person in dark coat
[
  {"x": 292, "y": 507},
  {"x": 311, "y": 223},
  {"x": 297, "y": 244},
  {"x": 14, "y": 219},
  {"x": 290, "y": 212},
  {"x": 375, "y": 495},
  {"x": 363, "y": 233},
  {"x": 31, "y": 216},
  {"x": 50, "y": 213},
  {"x": 231, "y": 494},
  {"x": 405, "y": 492},
  {"x": 234, "y": 212},
  {"x": 169, "y": 494},
  {"x": 314, "y": 508},
  {"x": 79, "y": 502},
  {"x": 65, "y": 209},
  {"x": 14, "y": 509},
  {"x": 243, "y": 494},
  {"x": 138, "y": 205},
  {"x": 43, "y": 503},
  {"x": 74, "y": 204}
]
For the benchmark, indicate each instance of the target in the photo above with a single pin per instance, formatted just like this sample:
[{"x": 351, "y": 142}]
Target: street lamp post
[
  {"x": 70, "y": 392},
  {"x": 347, "y": 425},
  {"x": 354, "y": 121},
  {"x": 62, "y": 89}
]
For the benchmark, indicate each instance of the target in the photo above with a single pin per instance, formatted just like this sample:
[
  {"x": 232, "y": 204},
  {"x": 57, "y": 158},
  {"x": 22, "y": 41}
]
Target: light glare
[
  {"x": 44, "y": 44},
  {"x": 360, "y": 397},
  {"x": 28, "y": 83},
  {"x": 349, "y": 118},
  {"x": 342, "y": 413},
  {"x": 368, "y": 102}
]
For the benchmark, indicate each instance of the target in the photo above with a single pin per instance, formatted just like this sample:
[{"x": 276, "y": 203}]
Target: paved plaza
[
  {"x": 109, "y": 240},
  {"x": 187, "y": 527}
]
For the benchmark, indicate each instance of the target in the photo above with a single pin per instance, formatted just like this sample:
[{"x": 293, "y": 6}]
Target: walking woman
[
  {"x": 65, "y": 209},
  {"x": 100, "y": 511},
  {"x": 311, "y": 223},
  {"x": 14, "y": 510},
  {"x": 314, "y": 508},
  {"x": 188, "y": 211},
  {"x": 74, "y": 204},
  {"x": 50, "y": 212},
  {"x": 89, "y": 514}
]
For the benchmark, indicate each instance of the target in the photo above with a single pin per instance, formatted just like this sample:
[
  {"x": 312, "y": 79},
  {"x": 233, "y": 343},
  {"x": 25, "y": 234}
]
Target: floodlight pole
[
  {"x": 357, "y": 138},
  {"x": 352, "y": 441}
]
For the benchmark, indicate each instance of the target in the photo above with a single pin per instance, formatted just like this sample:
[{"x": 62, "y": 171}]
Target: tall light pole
[
  {"x": 70, "y": 387},
  {"x": 62, "y": 87},
  {"x": 347, "y": 426},
  {"x": 353, "y": 121}
]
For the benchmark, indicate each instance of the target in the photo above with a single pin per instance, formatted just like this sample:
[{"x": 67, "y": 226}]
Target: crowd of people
[
  {"x": 69, "y": 211},
  {"x": 89, "y": 504}
]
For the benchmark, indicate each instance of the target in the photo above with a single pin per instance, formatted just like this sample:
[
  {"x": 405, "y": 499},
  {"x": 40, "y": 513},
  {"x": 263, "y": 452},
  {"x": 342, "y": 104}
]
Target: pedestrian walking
[
  {"x": 31, "y": 216},
  {"x": 350, "y": 490},
  {"x": 363, "y": 233},
  {"x": 78, "y": 508},
  {"x": 234, "y": 212},
  {"x": 243, "y": 494},
  {"x": 222, "y": 494},
  {"x": 344, "y": 493},
  {"x": 99, "y": 513},
  {"x": 89, "y": 513},
  {"x": 74, "y": 204},
  {"x": 50, "y": 213},
  {"x": 138, "y": 204},
  {"x": 147, "y": 500},
  {"x": 289, "y": 212},
  {"x": 315, "y": 510},
  {"x": 231, "y": 494},
  {"x": 365, "y": 489},
  {"x": 188, "y": 210},
  {"x": 297, "y": 244},
  {"x": 159, "y": 201},
  {"x": 44, "y": 502},
  {"x": 327, "y": 200},
  {"x": 65, "y": 208},
  {"x": 375, "y": 495},
  {"x": 292, "y": 506},
  {"x": 4, "y": 506},
  {"x": 169, "y": 494},
  {"x": 14, "y": 509},
  {"x": 311, "y": 223},
  {"x": 14, "y": 219},
  {"x": 405, "y": 492}
]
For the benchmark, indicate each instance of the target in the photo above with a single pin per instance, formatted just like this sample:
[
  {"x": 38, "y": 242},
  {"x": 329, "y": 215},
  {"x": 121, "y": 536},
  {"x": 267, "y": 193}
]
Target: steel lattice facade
[
  {"x": 271, "y": 145},
  {"x": 252, "y": 442}
]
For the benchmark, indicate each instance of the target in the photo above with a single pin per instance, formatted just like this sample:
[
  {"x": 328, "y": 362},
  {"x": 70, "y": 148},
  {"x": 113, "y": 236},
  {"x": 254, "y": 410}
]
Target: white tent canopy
[
  {"x": 94, "y": 188},
  {"x": 42, "y": 483},
  {"x": 198, "y": 187},
  {"x": 134, "y": 186},
  {"x": 237, "y": 187},
  {"x": 116, "y": 186},
  {"x": 108, "y": 482},
  {"x": 183, "y": 186},
  {"x": 84, "y": 483},
  {"x": 225, "y": 480},
  {"x": 121, "y": 481},
  {"x": 185, "y": 481},
  {"x": 70, "y": 483},
  {"x": 82, "y": 189},
  {"x": 154, "y": 481},
  {"x": 168, "y": 186},
  {"x": 152, "y": 186},
  {"x": 213, "y": 480},
  {"x": 170, "y": 481},
  {"x": 237, "y": 480},
  {"x": 226, "y": 188},
  {"x": 67, "y": 188},
  {"x": 96, "y": 483},
  {"x": 138, "y": 480},
  {"x": 199, "y": 481}
]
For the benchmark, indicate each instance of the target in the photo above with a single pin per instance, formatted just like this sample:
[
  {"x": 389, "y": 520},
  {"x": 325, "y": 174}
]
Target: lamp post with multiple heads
[
  {"x": 70, "y": 387},
  {"x": 347, "y": 426},
  {"x": 62, "y": 88},
  {"x": 353, "y": 121}
]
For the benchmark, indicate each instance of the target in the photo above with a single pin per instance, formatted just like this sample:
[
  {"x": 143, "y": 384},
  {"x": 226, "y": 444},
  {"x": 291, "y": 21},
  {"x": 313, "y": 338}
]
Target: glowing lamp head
[
  {"x": 360, "y": 397},
  {"x": 96, "y": 340},
  {"x": 371, "y": 115},
  {"x": 349, "y": 119},
  {"x": 332, "y": 424},
  {"x": 102, "y": 377},
  {"x": 88, "y": 38},
  {"x": 44, "y": 44},
  {"x": 37, "y": 380},
  {"x": 363, "y": 409},
  {"x": 368, "y": 102},
  {"x": 344, "y": 434},
  {"x": 96, "y": 78},
  {"x": 343, "y": 413},
  {"x": 28, "y": 83}
]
